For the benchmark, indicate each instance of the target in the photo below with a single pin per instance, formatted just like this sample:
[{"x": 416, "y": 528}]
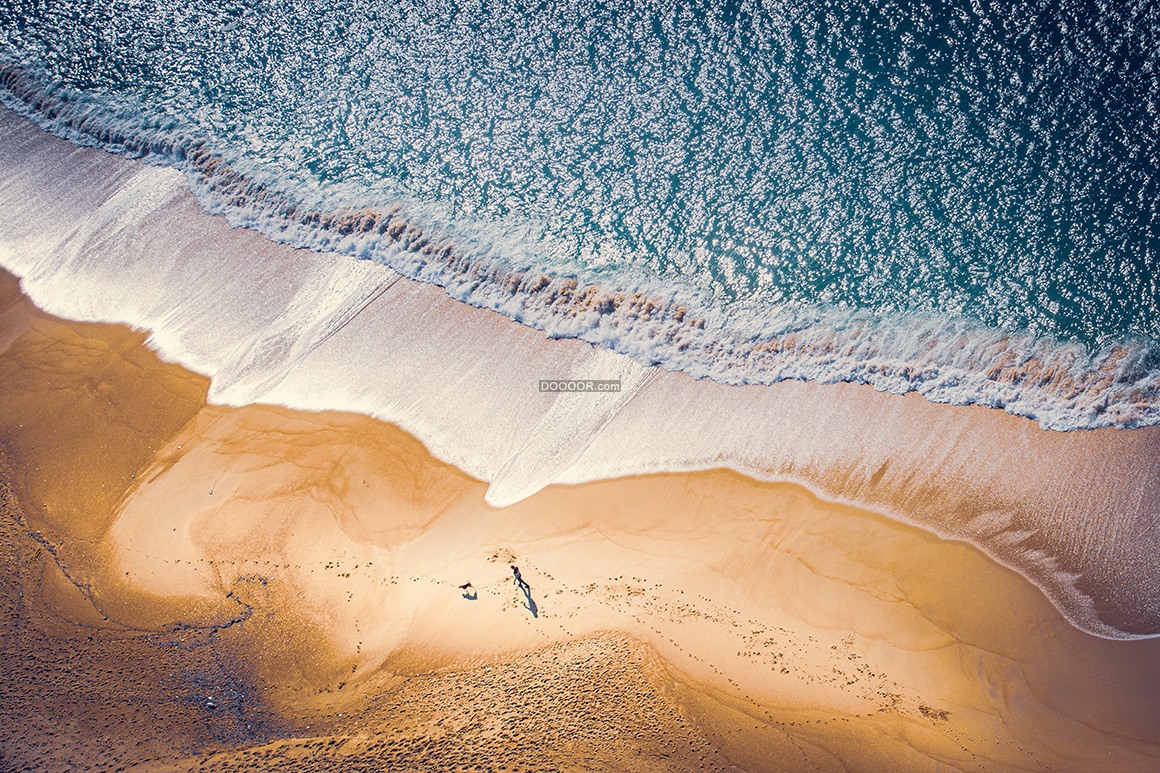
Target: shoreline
[
  {"x": 1073, "y": 512},
  {"x": 308, "y": 562},
  {"x": 950, "y": 360}
]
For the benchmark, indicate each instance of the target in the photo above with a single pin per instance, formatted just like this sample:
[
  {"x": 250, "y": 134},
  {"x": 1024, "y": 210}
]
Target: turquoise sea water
[{"x": 958, "y": 198}]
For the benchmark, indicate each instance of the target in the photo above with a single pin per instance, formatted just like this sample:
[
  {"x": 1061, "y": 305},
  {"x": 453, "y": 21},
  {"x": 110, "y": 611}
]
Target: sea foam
[{"x": 1063, "y": 386}]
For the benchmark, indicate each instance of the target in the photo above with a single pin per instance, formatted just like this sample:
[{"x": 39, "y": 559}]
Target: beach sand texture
[
  {"x": 239, "y": 501},
  {"x": 201, "y": 587}
]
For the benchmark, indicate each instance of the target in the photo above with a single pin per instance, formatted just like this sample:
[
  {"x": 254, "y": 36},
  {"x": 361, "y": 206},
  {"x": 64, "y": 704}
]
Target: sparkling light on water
[{"x": 776, "y": 163}]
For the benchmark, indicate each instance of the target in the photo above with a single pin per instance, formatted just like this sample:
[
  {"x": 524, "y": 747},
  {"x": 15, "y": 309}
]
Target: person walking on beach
[
  {"x": 520, "y": 580},
  {"x": 530, "y": 602}
]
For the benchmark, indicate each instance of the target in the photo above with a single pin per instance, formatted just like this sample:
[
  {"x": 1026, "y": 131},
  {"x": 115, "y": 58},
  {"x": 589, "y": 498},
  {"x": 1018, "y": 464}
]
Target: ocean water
[{"x": 955, "y": 198}]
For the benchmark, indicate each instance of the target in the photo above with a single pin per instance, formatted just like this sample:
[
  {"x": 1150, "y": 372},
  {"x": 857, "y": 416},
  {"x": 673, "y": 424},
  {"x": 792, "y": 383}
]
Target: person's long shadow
[{"x": 530, "y": 602}]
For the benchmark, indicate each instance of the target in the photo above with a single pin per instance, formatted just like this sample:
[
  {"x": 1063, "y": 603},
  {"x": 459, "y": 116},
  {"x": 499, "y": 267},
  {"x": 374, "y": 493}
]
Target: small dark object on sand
[{"x": 519, "y": 579}]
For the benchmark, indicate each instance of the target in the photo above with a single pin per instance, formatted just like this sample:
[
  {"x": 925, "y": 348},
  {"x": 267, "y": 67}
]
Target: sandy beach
[
  {"x": 99, "y": 237},
  {"x": 193, "y": 586},
  {"x": 578, "y": 387}
]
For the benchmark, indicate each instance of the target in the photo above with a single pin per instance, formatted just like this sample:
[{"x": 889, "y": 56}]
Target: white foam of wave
[
  {"x": 945, "y": 359},
  {"x": 258, "y": 319},
  {"x": 319, "y": 331}
]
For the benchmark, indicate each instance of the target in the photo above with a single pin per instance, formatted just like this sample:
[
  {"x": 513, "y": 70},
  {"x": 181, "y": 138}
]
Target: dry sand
[{"x": 193, "y": 587}]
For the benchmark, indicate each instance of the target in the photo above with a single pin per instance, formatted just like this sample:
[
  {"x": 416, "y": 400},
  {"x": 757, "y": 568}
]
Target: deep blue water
[{"x": 975, "y": 166}]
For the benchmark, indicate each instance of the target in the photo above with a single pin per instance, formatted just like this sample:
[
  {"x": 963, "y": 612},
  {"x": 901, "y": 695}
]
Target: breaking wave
[{"x": 514, "y": 271}]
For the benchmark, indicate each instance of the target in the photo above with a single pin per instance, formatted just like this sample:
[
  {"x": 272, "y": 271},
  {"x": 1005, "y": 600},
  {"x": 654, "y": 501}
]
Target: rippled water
[{"x": 895, "y": 184}]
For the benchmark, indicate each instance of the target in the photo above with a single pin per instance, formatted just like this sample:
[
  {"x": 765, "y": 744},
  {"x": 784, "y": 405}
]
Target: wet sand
[{"x": 211, "y": 587}]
